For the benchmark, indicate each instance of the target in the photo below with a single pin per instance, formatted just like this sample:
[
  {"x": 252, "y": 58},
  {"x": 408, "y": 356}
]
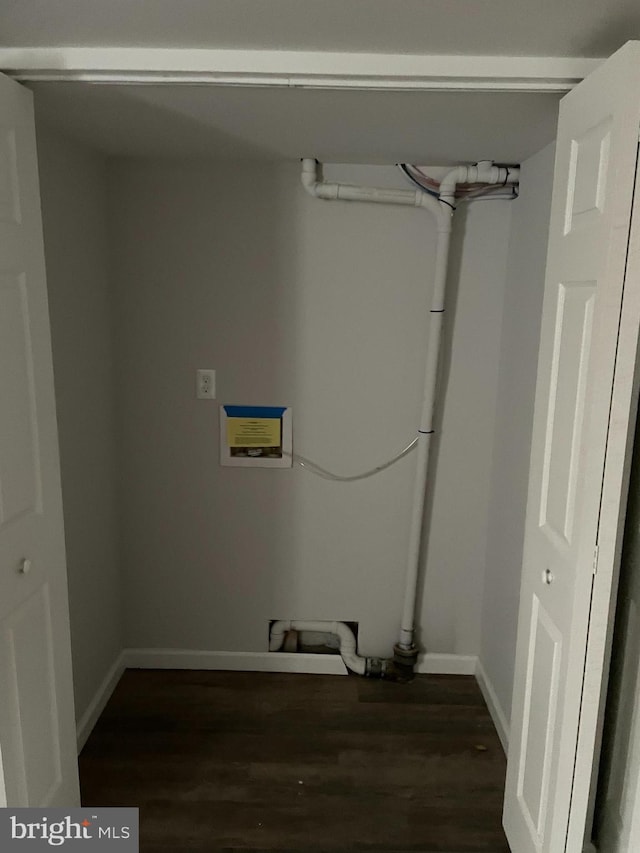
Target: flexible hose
[{"x": 319, "y": 471}]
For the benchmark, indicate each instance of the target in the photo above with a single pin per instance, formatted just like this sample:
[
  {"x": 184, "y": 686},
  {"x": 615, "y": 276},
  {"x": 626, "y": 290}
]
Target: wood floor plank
[{"x": 257, "y": 762}]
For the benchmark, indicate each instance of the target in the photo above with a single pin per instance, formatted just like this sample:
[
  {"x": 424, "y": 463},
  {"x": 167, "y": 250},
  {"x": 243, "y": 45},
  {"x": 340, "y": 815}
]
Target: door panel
[
  {"x": 19, "y": 464},
  {"x": 588, "y": 174},
  {"x": 9, "y": 194},
  {"x": 571, "y": 346},
  {"x": 37, "y": 726},
  {"x": 578, "y": 447},
  {"x": 543, "y": 667},
  {"x": 29, "y": 644}
]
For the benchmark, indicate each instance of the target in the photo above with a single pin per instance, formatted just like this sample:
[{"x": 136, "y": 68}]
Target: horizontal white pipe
[
  {"x": 348, "y": 647},
  {"x": 347, "y": 192},
  {"x": 377, "y": 195},
  {"x": 483, "y": 172}
]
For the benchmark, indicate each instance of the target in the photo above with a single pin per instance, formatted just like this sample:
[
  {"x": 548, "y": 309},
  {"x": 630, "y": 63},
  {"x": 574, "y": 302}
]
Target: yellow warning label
[{"x": 253, "y": 432}]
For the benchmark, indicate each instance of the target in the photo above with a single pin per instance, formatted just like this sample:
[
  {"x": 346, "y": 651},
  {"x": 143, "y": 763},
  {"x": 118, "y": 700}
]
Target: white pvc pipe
[
  {"x": 342, "y": 631},
  {"x": 425, "y": 436},
  {"x": 347, "y": 192},
  {"x": 443, "y": 214},
  {"x": 482, "y": 172}
]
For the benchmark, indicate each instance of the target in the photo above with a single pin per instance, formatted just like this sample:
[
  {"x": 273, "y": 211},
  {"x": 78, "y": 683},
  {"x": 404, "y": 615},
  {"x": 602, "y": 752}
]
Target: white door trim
[{"x": 304, "y": 69}]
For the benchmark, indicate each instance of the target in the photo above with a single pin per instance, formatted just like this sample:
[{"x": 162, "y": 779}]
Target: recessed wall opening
[
  {"x": 312, "y": 642},
  {"x": 216, "y": 257}
]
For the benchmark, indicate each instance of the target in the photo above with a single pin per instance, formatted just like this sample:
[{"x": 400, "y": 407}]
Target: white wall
[
  {"x": 73, "y": 190},
  {"x": 453, "y": 577},
  {"x": 513, "y": 423},
  {"x": 322, "y": 307}
]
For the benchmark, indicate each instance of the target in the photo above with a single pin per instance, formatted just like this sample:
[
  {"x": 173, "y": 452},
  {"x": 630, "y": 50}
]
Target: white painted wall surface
[
  {"x": 513, "y": 423},
  {"x": 73, "y": 191},
  {"x": 453, "y": 578},
  {"x": 322, "y": 307}
]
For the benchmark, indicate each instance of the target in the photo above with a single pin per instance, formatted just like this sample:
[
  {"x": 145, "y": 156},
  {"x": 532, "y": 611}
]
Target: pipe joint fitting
[
  {"x": 404, "y": 662},
  {"x": 377, "y": 667}
]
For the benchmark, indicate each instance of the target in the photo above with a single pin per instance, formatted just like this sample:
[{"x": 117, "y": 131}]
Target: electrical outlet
[{"x": 206, "y": 384}]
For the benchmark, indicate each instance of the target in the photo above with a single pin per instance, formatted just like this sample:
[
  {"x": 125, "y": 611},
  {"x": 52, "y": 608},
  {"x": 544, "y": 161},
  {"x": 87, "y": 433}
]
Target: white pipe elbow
[
  {"x": 316, "y": 188},
  {"x": 442, "y": 212},
  {"x": 309, "y": 176},
  {"x": 449, "y": 183},
  {"x": 276, "y": 636},
  {"x": 354, "y": 663}
]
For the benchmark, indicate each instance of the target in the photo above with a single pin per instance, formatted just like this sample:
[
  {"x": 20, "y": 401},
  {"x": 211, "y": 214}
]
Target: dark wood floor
[{"x": 222, "y": 761}]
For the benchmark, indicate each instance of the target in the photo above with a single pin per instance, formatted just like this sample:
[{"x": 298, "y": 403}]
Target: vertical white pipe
[
  {"x": 443, "y": 214},
  {"x": 425, "y": 433}
]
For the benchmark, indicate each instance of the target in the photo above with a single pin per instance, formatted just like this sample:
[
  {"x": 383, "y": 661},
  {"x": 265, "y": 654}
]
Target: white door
[
  {"x": 583, "y": 415},
  {"x": 37, "y": 737}
]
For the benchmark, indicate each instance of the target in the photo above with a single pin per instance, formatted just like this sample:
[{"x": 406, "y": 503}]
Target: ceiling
[
  {"x": 237, "y": 123},
  {"x": 591, "y": 28}
]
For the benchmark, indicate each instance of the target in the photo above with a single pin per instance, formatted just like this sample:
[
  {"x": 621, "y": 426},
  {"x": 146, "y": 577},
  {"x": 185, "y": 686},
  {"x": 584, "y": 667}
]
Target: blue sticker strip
[{"x": 255, "y": 411}]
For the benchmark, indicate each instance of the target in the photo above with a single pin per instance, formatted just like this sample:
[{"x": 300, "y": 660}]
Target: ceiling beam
[{"x": 304, "y": 69}]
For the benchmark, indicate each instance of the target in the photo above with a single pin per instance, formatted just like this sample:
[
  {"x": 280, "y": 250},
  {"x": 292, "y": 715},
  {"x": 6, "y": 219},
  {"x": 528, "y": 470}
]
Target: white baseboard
[
  {"x": 87, "y": 721},
  {"x": 493, "y": 704},
  {"x": 239, "y": 661},
  {"x": 441, "y": 664},
  {"x": 279, "y": 661}
]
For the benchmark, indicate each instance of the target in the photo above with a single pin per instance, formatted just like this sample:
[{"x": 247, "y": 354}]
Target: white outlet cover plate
[{"x": 205, "y": 384}]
